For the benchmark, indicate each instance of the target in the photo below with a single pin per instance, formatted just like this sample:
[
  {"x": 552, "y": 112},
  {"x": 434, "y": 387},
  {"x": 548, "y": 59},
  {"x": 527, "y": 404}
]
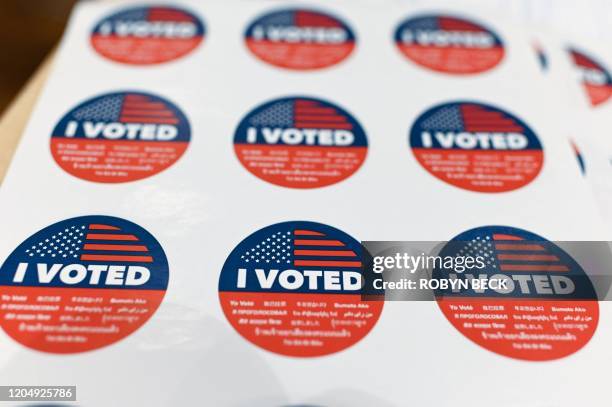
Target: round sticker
[
  {"x": 300, "y": 142},
  {"x": 548, "y": 309},
  {"x": 300, "y": 39},
  {"x": 477, "y": 147},
  {"x": 81, "y": 284},
  {"x": 120, "y": 137},
  {"x": 147, "y": 35},
  {"x": 293, "y": 288},
  {"x": 595, "y": 78},
  {"x": 449, "y": 44}
]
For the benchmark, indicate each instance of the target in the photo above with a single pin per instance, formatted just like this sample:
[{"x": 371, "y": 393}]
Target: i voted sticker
[
  {"x": 477, "y": 147},
  {"x": 120, "y": 137},
  {"x": 300, "y": 39},
  {"x": 300, "y": 142},
  {"x": 81, "y": 284},
  {"x": 147, "y": 35},
  {"x": 547, "y": 308},
  {"x": 449, "y": 44},
  {"x": 294, "y": 289},
  {"x": 595, "y": 78}
]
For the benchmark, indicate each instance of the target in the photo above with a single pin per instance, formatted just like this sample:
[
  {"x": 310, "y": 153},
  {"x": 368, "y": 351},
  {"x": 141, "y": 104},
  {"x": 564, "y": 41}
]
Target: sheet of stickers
[{"x": 181, "y": 221}]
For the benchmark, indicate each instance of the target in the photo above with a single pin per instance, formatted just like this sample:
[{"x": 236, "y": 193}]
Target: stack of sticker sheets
[{"x": 181, "y": 222}]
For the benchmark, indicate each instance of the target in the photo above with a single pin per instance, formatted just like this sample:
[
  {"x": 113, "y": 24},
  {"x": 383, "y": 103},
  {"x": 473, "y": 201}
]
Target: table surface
[{"x": 15, "y": 118}]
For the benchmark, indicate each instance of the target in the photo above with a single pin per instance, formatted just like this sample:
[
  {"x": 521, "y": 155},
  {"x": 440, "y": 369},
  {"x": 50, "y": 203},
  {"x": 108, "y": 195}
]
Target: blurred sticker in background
[
  {"x": 300, "y": 39},
  {"x": 476, "y": 147},
  {"x": 147, "y": 35},
  {"x": 81, "y": 284},
  {"x": 449, "y": 44},
  {"x": 595, "y": 78},
  {"x": 300, "y": 142},
  {"x": 120, "y": 137}
]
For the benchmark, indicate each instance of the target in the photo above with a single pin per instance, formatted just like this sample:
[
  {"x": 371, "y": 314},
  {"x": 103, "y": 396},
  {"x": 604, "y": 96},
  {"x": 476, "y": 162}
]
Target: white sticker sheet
[{"x": 176, "y": 144}]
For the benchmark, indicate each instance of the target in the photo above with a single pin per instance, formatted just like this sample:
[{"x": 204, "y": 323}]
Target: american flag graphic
[
  {"x": 91, "y": 243},
  {"x": 301, "y": 248},
  {"x": 510, "y": 253},
  {"x": 302, "y": 113},
  {"x": 128, "y": 108},
  {"x": 472, "y": 118}
]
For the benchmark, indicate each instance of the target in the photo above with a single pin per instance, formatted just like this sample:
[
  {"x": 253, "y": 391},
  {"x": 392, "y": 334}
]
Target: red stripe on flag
[
  {"x": 103, "y": 236},
  {"x": 116, "y": 247},
  {"x": 137, "y": 119},
  {"x": 478, "y": 114},
  {"x": 493, "y": 128},
  {"x": 528, "y": 257},
  {"x": 491, "y": 120},
  {"x": 532, "y": 267},
  {"x": 301, "y": 232},
  {"x": 104, "y": 257},
  {"x": 315, "y": 110},
  {"x": 145, "y": 105},
  {"x": 96, "y": 226},
  {"x": 166, "y": 13},
  {"x": 145, "y": 112},
  {"x": 311, "y": 125},
  {"x": 164, "y": 10},
  {"x": 476, "y": 108},
  {"x": 173, "y": 19},
  {"x": 324, "y": 253},
  {"x": 327, "y": 263},
  {"x": 136, "y": 97},
  {"x": 304, "y": 117},
  {"x": 318, "y": 243},
  {"x": 519, "y": 247},
  {"x": 306, "y": 103},
  {"x": 501, "y": 236}
]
